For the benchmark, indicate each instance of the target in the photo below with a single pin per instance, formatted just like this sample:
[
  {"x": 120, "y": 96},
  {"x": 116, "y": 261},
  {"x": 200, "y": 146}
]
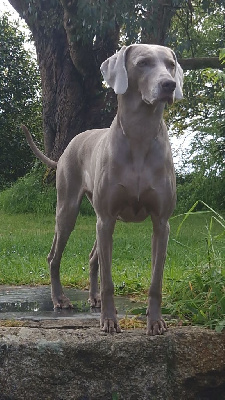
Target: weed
[
  {"x": 132, "y": 322},
  {"x": 199, "y": 295}
]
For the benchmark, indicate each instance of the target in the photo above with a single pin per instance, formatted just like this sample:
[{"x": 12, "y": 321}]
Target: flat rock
[{"x": 72, "y": 359}]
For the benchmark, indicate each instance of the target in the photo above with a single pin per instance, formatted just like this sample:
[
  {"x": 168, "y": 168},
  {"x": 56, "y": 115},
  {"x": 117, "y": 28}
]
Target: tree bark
[
  {"x": 158, "y": 21},
  {"x": 72, "y": 93},
  {"x": 62, "y": 85}
]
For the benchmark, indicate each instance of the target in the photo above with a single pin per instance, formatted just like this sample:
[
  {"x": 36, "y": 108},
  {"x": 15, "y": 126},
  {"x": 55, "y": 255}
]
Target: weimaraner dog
[{"x": 127, "y": 173}]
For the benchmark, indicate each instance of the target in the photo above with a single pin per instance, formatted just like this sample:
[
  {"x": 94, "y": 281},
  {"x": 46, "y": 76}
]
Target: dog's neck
[{"x": 137, "y": 119}]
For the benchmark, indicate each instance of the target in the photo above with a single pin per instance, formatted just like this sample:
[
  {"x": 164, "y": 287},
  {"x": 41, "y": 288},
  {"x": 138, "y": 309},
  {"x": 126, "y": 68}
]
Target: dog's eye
[
  {"x": 142, "y": 63},
  {"x": 172, "y": 64}
]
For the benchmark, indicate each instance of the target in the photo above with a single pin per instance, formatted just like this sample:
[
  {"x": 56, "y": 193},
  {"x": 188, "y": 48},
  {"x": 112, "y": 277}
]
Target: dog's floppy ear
[
  {"x": 179, "y": 78},
  {"x": 114, "y": 71}
]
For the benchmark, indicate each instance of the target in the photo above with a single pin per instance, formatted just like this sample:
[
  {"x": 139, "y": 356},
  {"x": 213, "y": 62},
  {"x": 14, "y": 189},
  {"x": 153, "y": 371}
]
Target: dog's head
[{"x": 152, "y": 70}]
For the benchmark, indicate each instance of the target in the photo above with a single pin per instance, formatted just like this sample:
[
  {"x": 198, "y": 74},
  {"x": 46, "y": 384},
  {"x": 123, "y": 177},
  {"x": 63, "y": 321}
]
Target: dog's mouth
[
  {"x": 148, "y": 101},
  {"x": 167, "y": 98}
]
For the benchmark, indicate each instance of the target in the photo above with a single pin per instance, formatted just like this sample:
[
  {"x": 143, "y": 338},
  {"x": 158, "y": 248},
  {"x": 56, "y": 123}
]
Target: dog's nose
[{"x": 168, "y": 85}]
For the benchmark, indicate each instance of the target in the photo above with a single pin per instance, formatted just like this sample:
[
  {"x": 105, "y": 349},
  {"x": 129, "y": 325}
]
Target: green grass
[{"x": 194, "y": 276}]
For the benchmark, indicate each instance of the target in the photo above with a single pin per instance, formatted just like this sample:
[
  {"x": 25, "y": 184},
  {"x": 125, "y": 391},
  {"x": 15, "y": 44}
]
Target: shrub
[
  {"x": 29, "y": 195},
  {"x": 32, "y": 194}
]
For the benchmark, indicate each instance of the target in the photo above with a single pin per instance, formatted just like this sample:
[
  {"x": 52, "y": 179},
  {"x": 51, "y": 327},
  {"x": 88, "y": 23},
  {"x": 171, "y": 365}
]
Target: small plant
[
  {"x": 133, "y": 322},
  {"x": 199, "y": 296},
  {"x": 115, "y": 396}
]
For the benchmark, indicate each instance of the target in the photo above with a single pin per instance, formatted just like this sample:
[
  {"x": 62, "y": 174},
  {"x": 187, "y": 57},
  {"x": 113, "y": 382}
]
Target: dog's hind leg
[
  {"x": 94, "y": 296},
  {"x": 58, "y": 297},
  {"x": 66, "y": 215}
]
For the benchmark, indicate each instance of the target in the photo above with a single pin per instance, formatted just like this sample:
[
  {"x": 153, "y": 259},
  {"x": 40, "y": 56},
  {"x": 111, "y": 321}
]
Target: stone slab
[{"x": 72, "y": 359}]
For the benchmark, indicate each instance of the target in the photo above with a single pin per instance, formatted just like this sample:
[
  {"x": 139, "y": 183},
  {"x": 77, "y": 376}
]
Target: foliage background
[
  {"x": 19, "y": 102},
  {"x": 201, "y": 174}
]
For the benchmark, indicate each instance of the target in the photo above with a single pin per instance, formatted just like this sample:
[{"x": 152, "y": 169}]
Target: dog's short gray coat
[{"x": 127, "y": 173}]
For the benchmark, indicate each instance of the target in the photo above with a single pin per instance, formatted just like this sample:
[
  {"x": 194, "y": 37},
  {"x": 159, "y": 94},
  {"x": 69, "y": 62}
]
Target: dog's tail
[{"x": 50, "y": 163}]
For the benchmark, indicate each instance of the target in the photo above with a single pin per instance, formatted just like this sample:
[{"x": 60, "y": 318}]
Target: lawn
[{"x": 194, "y": 274}]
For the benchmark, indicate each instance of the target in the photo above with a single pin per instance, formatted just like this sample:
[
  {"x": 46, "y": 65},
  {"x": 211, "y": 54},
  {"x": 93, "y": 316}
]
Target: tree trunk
[
  {"x": 73, "y": 98},
  {"x": 63, "y": 95},
  {"x": 162, "y": 14}
]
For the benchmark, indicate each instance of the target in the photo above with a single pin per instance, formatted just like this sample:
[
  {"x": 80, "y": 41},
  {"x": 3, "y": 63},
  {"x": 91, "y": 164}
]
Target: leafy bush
[
  {"x": 210, "y": 189},
  {"x": 31, "y": 194}
]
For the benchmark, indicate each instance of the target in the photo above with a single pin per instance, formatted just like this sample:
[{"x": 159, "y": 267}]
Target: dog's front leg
[
  {"x": 155, "y": 324},
  {"x": 104, "y": 230}
]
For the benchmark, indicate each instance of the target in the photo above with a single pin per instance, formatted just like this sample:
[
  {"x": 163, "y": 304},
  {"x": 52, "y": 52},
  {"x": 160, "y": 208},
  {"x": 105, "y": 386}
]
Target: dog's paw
[
  {"x": 62, "y": 302},
  {"x": 110, "y": 326},
  {"x": 95, "y": 301},
  {"x": 157, "y": 327}
]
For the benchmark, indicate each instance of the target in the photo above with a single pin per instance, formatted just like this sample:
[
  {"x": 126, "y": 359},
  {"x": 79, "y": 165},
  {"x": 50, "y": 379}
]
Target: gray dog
[{"x": 127, "y": 173}]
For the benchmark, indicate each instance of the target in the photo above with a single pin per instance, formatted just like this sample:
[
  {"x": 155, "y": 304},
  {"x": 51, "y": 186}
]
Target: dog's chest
[
  {"x": 134, "y": 186},
  {"x": 142, "y": 188},
  {"x": 139, "y": 178},
  {"x": 132, "y": 197}
]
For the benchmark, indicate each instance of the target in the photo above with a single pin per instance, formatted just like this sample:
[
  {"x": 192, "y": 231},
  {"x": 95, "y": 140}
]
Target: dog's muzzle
[
  {"x": 167, "y": 87},
  {"x": 163, "y": 91}
]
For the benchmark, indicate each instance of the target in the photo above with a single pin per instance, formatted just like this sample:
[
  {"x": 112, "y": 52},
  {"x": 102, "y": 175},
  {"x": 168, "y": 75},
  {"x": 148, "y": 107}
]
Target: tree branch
[{"x": 200, "y": 63}]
